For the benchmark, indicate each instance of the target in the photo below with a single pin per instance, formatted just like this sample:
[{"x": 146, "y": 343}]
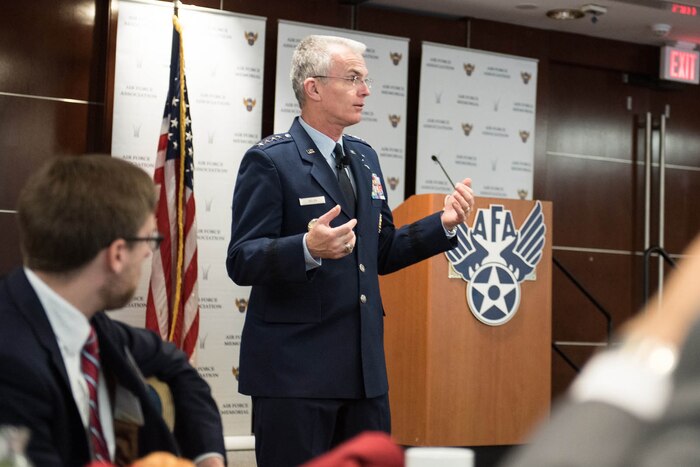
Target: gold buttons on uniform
[
  {"x": 362, "y": 267},
  {"x": 363, "y": 299}
]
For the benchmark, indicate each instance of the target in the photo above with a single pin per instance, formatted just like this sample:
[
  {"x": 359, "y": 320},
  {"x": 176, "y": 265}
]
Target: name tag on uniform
[{"x": 310, "y": 201}]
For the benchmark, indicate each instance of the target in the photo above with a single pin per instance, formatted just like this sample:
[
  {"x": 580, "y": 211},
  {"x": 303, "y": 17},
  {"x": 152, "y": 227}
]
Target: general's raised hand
[{"x": 458, "y": 205}]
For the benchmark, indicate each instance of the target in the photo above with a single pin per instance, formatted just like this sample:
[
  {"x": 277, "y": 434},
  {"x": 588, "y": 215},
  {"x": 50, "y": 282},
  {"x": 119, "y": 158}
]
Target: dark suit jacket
[
  {"x": 602, "y": 435},
  {"x": 35, "y": 391},
  {"x": 316, "y": 334}
]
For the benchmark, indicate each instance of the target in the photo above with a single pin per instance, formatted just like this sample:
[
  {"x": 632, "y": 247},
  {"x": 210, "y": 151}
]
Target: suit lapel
[
  {"x": 320, "y": 170},
  {"x": 113, "y": 358},
  {"x": 30, "y": 307}
]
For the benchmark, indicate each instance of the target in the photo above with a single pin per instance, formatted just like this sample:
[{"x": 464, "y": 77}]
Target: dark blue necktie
[{"x": 341, "y": 161}]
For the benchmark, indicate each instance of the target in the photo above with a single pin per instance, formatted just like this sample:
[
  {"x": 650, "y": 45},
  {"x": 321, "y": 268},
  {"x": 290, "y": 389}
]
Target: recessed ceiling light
[
  {"x": 527, "y": 6},
  {"x": 565, "y": 14}
]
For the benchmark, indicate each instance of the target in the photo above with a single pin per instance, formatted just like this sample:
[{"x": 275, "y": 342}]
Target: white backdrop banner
[
  {"x": 383, "y": 122},
  {"x": 224, "y": 59},
  {"x": 477, "y": 115}
]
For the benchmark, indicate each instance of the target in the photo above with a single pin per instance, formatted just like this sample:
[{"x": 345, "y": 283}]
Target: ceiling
[{"x": 624, "y": 20}]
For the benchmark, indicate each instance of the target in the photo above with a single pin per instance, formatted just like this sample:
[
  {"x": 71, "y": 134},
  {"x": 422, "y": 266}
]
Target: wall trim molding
[{"x": 47, "y": 98}]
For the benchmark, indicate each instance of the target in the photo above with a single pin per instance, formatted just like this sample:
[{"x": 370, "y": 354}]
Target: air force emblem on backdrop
[{"x": 494, "y": 258}]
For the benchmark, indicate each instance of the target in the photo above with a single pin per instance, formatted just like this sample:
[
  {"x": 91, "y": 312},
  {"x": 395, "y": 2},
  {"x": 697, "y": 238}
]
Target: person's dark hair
[{"x": 73, "y": 207}]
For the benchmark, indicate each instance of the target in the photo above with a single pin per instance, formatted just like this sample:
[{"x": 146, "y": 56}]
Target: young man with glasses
[
  {"x": 311, "y": 231},
  {"x": 69, "y": 373}
]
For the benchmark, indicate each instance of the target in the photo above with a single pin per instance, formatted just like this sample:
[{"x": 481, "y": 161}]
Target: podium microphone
[{"x": 435, "y": 158}]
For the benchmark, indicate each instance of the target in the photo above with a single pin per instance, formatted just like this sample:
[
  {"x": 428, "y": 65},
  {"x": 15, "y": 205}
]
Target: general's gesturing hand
[{"x": 324, "y": 241}]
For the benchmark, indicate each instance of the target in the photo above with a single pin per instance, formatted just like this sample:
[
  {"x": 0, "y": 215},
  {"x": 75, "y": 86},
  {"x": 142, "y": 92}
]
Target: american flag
[{"x": 172, "y": 309}]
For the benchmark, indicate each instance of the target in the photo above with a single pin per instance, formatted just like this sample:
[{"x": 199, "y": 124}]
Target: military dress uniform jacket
[
  {"x": 35, "y": 391},
  {"x": 317, "y": 333}
]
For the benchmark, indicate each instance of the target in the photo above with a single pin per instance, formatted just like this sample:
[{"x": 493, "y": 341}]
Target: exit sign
[{"x": 679, "y": 64}]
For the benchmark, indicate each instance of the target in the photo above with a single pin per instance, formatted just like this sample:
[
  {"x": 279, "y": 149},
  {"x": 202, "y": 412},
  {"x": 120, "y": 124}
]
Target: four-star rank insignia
[{"x": 493, "y": 257}]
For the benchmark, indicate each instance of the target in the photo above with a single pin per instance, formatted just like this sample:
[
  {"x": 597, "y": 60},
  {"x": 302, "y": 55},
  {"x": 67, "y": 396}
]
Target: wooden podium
[{"x": 453, "y": 380}]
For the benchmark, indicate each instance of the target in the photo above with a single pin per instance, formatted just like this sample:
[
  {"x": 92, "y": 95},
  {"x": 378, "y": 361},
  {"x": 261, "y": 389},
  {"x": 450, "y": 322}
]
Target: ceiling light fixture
[{"x": 565, "y": 14}]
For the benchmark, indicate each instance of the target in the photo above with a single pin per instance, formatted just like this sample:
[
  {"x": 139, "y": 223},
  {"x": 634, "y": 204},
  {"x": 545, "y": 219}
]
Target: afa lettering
[{"x": 494, "y": 228}]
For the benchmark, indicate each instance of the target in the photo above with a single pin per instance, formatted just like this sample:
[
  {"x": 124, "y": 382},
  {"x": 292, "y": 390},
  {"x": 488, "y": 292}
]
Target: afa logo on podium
[{"x": 494, "y": 257}]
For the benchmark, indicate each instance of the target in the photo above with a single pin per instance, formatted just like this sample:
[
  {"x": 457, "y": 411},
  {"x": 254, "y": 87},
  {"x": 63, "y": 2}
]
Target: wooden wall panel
[
  {"x": 605, "y": 54},
  {"x": 682, "y": 136},
  {"x": 612, "y": 279},
  {"x": 588, "y": 112},
  {"x": 594, "y": 203},
  {"x": 508, "y": 39},
  {"x": 682, "y": 221},
  {"x": 48, "y": 47},
  {"x": 34, "y": 130}
]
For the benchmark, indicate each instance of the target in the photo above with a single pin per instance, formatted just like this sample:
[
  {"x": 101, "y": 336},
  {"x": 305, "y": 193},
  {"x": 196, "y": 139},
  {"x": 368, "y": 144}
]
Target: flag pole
[
  {"x": 181, "y": 185},
  {"x": 176, "y": 6}
]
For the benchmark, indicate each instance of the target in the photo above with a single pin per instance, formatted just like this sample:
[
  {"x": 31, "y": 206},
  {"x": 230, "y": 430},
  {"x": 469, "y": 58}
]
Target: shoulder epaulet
[
  {"x": 273, "y": 140},
  {"x": 356, "y": 139}
]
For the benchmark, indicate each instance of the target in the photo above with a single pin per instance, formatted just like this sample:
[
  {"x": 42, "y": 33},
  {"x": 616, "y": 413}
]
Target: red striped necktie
[{"x": 90, "y": 366}]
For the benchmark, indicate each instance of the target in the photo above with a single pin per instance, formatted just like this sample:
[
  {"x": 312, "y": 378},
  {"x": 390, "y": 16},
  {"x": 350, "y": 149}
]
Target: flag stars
[
  {"x": 175, "y": 101},
  {"x": 188, "y": 136},
  {"x": 173, "y": 122}
]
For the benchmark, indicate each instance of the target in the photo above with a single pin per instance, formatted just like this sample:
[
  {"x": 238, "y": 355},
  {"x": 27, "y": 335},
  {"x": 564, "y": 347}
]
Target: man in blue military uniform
[{"x": 311, "y": 231}]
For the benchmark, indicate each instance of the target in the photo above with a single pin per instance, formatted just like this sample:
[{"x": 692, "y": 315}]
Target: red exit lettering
[
  {"x": 684, "y": 9},
  {"x": 682, "y": 65}
]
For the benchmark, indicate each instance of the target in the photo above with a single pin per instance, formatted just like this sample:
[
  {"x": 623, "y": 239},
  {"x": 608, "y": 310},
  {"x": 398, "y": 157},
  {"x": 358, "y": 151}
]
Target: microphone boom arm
[{"x": 437, "y": 161}]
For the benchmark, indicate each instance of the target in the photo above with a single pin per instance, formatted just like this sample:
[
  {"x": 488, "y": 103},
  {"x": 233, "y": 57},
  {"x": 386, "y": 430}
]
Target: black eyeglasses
[
  {"x": 353, "y": 79},
  {"x": 154, "y": 240}
]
